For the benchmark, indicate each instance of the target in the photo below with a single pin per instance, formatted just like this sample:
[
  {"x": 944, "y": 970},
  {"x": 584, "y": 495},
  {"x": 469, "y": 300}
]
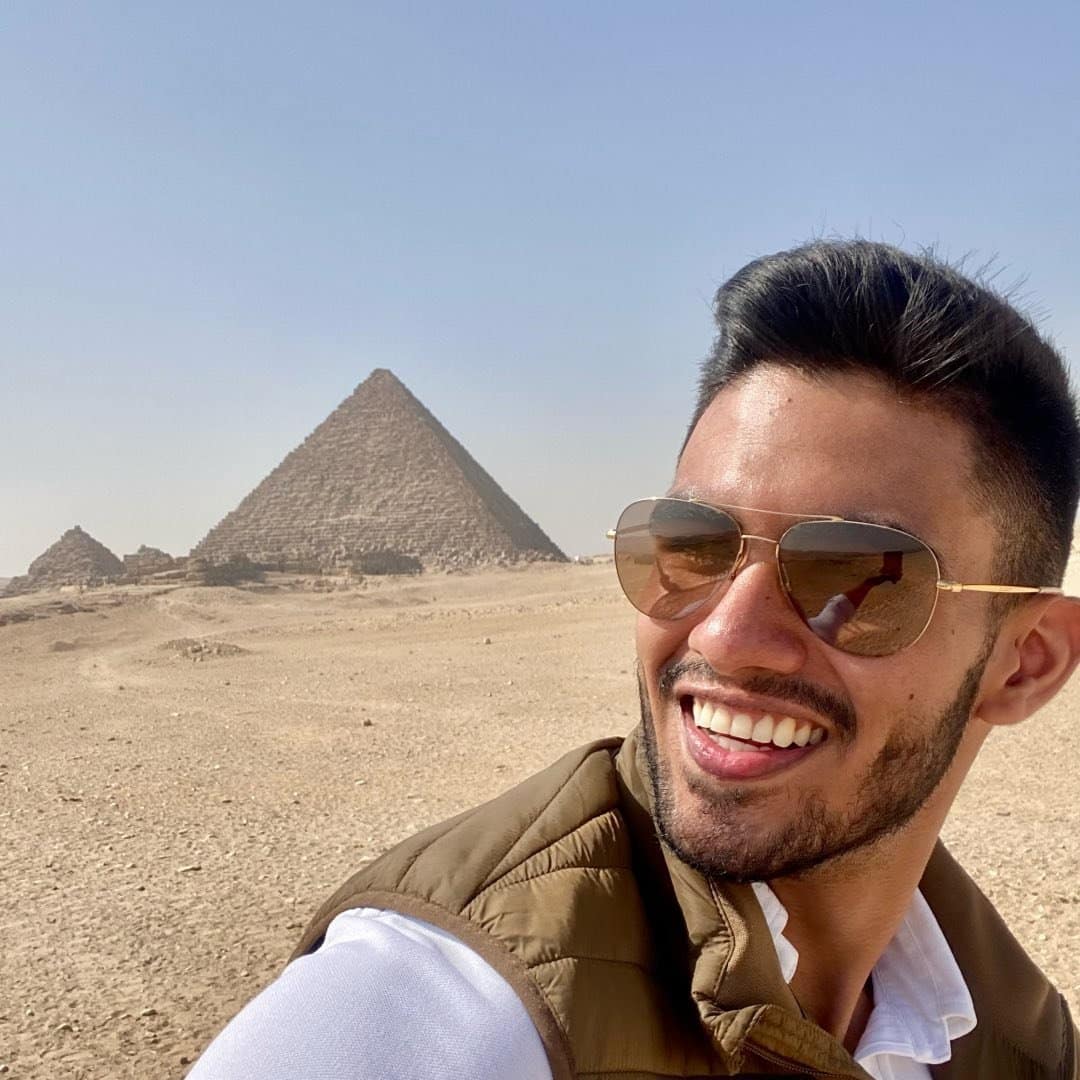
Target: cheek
[{"x": 890, "y": 691}]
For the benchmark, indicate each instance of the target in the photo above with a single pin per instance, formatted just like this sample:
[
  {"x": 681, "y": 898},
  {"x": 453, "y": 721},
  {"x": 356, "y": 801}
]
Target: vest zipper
[{"x": 795, "y": 1066}]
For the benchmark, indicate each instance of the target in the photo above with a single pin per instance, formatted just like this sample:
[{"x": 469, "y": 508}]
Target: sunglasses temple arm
[{"x": 956, "y": 586}]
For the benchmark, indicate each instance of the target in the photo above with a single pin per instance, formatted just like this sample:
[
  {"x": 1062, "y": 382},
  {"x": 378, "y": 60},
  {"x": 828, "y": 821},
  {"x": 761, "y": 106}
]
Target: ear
[{"x": 1037, "y": 649}]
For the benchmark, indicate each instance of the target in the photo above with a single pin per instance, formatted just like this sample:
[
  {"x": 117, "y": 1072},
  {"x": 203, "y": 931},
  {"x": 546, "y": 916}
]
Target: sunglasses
[{"x": 865, "y": 589}]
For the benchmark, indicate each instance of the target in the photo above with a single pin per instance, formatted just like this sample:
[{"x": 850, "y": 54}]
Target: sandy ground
[{"x": 173, "y": 811}]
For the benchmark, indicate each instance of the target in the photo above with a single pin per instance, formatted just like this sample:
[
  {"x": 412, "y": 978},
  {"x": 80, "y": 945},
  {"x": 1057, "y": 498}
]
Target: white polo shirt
[{"x": 388, "y": 997}]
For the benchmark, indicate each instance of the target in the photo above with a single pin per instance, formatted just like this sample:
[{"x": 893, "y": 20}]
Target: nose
[{"x": 750, "y": 625}]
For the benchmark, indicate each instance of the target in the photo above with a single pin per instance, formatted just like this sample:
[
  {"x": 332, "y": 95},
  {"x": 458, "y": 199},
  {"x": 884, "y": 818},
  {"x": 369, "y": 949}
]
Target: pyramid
[
  {"x": 75, "y": 559},
  {"x": 379, "y": 475}
]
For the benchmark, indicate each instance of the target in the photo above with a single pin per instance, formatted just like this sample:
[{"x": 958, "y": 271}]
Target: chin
[{"x": 742, "y": 835}]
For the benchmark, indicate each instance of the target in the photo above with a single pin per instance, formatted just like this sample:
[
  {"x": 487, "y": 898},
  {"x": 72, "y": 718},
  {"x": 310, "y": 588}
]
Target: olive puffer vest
[{"x": 633, "y": 966}]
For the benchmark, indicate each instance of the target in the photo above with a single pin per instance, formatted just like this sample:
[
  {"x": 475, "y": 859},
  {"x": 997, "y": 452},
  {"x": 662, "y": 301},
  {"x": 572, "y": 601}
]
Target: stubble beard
[{"x": 725, "y": 845}]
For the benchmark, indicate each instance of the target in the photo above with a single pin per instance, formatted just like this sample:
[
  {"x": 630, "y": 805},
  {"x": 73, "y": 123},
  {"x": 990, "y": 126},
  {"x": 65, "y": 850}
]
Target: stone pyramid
[
  {"x": 75, "y": 559},
  {"x": 379, "y": 475}
]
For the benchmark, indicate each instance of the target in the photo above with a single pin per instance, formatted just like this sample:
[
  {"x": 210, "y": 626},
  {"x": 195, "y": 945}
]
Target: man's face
[{"x": 885, "y": 730}]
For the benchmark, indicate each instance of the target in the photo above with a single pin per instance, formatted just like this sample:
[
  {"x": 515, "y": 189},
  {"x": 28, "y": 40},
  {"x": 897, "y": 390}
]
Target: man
[{"x": 851, "y": 582}]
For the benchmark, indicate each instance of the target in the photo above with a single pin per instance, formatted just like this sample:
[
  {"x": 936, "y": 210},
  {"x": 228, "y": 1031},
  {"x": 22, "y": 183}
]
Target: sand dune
[{"x": 185, "y": 774}]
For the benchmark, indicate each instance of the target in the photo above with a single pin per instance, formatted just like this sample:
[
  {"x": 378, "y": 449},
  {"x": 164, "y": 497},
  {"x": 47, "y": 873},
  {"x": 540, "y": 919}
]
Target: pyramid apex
[{"x": 381, "y": 377}]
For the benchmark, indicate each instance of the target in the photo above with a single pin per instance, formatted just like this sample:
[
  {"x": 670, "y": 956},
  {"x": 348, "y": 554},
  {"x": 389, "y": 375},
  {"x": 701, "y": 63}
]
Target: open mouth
[{"x": 734, "y": 744}]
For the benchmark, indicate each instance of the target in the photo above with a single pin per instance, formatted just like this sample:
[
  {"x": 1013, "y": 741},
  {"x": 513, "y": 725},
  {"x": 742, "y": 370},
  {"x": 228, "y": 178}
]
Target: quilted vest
[{"x": 634, "y": 966}]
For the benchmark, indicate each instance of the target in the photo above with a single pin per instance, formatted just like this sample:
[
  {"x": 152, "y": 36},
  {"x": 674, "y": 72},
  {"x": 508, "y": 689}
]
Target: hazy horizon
[{"x": 218, "y": 222}]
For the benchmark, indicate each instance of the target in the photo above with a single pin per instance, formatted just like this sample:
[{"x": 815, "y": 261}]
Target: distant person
[{"x": 752, "y": 881}]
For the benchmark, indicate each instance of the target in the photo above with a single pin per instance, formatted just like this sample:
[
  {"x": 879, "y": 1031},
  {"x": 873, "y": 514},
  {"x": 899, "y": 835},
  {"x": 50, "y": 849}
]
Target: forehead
[{"x": 844, "y": 444}]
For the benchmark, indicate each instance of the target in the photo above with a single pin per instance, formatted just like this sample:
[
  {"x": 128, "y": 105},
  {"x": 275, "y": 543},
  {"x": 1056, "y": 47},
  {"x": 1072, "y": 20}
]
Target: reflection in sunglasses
[{"x": 866, "y": 588}]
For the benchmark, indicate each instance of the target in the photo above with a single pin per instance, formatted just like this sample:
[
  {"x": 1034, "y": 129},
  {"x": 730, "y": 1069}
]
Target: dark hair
[{"x": 858, "y": 306}]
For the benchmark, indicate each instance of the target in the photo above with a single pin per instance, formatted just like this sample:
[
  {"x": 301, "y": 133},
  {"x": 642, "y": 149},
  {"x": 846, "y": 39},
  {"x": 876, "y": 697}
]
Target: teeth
[
  {"x": 725, "y": 742},
  {"x": 781, "y": 732},
  {"x": 763, "y": 730},
  {"x": 721, "y": 721},
  {"x": 784, "y": 732},
  {"x": 742, "y": 727}
]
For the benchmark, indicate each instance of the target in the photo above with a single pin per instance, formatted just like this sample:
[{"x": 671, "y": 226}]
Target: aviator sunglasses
[{"x": 865, "y": 589}]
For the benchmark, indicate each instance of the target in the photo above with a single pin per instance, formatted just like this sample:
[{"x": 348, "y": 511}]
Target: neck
[
  {"x": 842, "y": 915},
  {"x": 840, "y": 919}
]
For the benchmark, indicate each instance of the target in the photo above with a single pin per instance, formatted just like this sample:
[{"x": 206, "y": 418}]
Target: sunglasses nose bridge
[
  {"x": 741, "y": 556},
  {"x": 741, "y": 560},
  {"x": 744, "y": 546}
]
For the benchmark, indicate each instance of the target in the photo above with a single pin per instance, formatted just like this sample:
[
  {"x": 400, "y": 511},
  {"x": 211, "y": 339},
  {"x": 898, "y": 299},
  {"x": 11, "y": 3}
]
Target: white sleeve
[{"x": 386, "y": 997}]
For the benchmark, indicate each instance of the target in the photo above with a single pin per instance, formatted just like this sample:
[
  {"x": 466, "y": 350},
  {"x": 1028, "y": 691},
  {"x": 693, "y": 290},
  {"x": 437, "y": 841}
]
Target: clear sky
[{"x": 216, "y": 219}]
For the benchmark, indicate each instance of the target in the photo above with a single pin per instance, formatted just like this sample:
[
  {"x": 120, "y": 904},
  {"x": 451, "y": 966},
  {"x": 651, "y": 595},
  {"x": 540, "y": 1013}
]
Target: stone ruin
[
  {"x": 148, "y": 561},
  {"x": 75, "y": 559},
  {"x": 233, "y": 571},
  {"x": 380, "y": 481},
  {"x": 384, "y": 562}
]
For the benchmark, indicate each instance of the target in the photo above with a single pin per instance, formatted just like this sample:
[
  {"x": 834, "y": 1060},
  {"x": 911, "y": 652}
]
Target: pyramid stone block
[{"x": 379, "y": 475}]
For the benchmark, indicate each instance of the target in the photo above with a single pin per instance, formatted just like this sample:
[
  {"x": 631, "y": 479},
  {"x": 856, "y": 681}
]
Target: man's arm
[{"x": 387, "y": 998}]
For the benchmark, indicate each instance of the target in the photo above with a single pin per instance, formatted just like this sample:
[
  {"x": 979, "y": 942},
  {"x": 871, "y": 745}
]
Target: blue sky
[{"x": 217, "y": 219}]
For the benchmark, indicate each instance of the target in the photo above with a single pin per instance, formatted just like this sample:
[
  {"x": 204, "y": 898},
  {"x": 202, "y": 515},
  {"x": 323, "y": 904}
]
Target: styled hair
[{"x": 951, "y": 343}]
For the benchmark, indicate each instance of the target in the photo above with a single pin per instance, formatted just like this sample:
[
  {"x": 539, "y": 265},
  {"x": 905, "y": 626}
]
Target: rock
[{"x": 197, "y": 649}]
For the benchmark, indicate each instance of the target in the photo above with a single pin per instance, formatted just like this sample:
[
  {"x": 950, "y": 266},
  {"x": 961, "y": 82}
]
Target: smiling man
[{"x": 851, "y": 583}]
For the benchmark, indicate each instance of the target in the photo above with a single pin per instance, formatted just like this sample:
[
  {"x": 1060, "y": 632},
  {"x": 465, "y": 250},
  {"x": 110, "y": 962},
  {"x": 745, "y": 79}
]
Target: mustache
[{"x": 782, "y": 687}]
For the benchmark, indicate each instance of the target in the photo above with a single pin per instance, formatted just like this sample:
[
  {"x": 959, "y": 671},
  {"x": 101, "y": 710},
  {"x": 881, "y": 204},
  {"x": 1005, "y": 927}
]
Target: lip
[{"x": 748, "y": 764}]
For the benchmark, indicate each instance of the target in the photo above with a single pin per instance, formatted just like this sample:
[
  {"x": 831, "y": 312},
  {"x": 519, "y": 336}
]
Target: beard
[{"x": 726, "y": 843}]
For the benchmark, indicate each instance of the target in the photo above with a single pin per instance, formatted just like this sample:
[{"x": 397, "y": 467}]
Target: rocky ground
[{"x": 185, "y": 773}]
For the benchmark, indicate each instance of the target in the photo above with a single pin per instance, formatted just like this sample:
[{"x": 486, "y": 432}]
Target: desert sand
[{"x": 185, "y": 773}]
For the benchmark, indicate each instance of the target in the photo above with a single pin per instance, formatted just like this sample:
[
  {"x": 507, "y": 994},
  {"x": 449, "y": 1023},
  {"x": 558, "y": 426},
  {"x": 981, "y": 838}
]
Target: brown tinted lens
[
  {"x": 866, "y": 589},
  {"x": 670, "y": 555}
]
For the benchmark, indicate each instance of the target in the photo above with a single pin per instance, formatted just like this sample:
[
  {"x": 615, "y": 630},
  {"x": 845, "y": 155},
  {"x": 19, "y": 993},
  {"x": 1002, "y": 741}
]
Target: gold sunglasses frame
[{"x": 941, "y": 584}]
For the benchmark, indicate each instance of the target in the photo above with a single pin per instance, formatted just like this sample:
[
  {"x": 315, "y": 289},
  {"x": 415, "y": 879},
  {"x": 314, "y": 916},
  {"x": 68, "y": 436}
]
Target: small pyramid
[
  {"x": 75, "y": 559},
  {"x": 379, "y": 475}
]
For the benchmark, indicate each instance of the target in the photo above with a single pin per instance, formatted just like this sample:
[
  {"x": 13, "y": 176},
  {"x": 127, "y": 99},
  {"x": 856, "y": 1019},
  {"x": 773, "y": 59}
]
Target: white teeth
[
  {"x": 784, "y": 732},
  {"x": 721, "y": 721},
  {"x": 763, "y": 730},
  {"x": 781, "y": 732},
  {"x": 742, "y": 727},
  {"x": 725, "y": 742}
]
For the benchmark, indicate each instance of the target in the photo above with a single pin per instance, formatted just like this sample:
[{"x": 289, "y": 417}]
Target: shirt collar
[{"x": 921, "y": 1002}]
